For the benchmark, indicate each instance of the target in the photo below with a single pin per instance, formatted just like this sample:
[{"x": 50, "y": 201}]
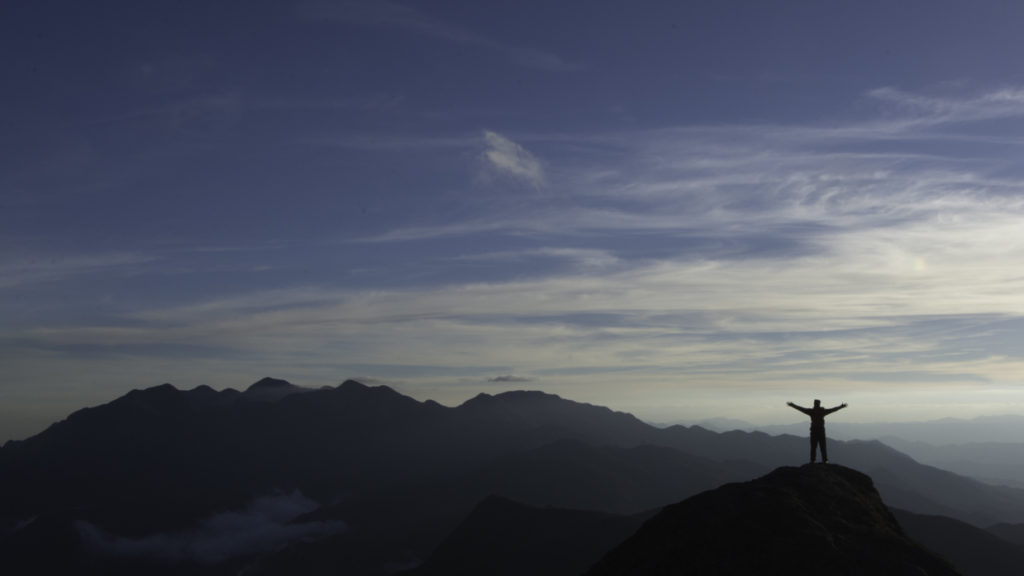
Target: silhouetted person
[{"x": 817, "y": 415}]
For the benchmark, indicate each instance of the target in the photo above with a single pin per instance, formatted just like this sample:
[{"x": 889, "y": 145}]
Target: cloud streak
[
  {"x": 33, "y": 270},
  {"x": 510, "y": 379},
  {"x": 756, "y": 257},
  {"x": 266, "y": 524},
  {"x": 505, "y": 157},
  {"x": 934, "y": 110},
  {"x": 401, "y": 16}
]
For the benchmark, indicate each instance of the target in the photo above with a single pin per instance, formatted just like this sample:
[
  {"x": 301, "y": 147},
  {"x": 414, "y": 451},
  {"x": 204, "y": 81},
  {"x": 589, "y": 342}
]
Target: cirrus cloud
[{"x": 503, "y": 156}]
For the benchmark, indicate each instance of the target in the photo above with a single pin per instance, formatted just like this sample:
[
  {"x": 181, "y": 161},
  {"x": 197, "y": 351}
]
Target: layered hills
[{"x": 374, "y": 481}]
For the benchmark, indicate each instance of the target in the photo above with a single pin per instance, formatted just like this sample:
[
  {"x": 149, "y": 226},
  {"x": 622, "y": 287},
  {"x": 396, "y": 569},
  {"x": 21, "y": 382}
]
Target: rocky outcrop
[{"x": 815, "y": 519}]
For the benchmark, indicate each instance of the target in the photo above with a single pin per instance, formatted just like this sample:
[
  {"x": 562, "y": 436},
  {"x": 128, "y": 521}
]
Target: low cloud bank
[
  {"x": 264, "y": 525},
  {"x": 510, "y": 378}
]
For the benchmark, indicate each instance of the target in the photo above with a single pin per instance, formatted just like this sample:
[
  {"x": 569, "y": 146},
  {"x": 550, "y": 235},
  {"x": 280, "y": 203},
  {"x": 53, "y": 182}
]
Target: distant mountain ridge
[
  {"x": 1001, "y": 428},
  {"x": 988, "y": 448},
  {"x": 272, "y": 389},
  {"x": 163, "y": 459},
  {"x": 370, "y": 437}
]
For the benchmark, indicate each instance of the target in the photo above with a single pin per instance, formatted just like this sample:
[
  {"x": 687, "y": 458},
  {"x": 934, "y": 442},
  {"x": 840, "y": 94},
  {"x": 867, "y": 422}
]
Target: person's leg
[
  {"x": 824, "y": 449},
  {"x": 814, "y": 445}
]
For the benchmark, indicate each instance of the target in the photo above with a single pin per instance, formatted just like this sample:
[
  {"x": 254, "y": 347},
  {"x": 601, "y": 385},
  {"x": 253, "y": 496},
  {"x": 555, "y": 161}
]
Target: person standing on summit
[{"x": 817, "y": 415}]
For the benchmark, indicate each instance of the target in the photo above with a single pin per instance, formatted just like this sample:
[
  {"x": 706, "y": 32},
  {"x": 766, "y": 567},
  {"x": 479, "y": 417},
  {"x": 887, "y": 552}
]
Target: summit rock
[{"x": 815, "y": 519}]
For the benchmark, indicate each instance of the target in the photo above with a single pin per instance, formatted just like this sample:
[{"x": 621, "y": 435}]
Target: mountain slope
[
  {"x": 816, "y": 519},
  {"x": 1010, "y": 532},
  {"x": 503, "y": 537},
  {"x": 974, "y": 551},
  {"x": 573, "y": 474},
  {"x": 403, "y": 473},
  {"x": 163, "y": 457}
]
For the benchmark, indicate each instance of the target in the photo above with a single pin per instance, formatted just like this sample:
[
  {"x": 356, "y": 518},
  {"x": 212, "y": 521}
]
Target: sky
[{"x": 681, "y": 210}]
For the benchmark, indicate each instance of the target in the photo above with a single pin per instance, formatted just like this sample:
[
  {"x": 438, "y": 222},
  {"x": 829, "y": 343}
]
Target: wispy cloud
[
  {"x": 824, "y": 237},
  {"x": 267, "y": 523},
  {"x": 503, "y": 156},
  {"x": 401, "y": 16},
  {"x": 928, "y": 109},
  {"x": 585, "y": 257},
  {"x": 46, "y": 268},
  {"x": 731, "y": 180},
  {"x": 509, "y": 378},
  {"x": 735, "y": 257}
]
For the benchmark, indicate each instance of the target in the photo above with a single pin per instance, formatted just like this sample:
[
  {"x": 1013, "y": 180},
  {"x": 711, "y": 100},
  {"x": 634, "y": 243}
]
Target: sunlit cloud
[{"x": 508, "y": 158}]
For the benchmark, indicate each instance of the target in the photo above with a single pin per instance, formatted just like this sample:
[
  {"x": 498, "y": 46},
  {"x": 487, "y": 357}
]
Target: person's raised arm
[
  {"x": 795, "y": 407},
  {"x": 837, "y": 408}
]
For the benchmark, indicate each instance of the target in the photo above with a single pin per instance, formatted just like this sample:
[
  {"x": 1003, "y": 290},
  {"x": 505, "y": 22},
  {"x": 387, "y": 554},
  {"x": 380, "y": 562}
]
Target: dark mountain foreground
[
  {"x": 502, "y": 537},
  {"x": 816, "y": 519},
  {"x": 281, "y": 479},
  {"x": 1009, "y": 532},
  {"x": 975, "y": 551}
]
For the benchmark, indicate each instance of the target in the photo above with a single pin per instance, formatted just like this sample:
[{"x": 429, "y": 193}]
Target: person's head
[{"x": 817, "y": 403}]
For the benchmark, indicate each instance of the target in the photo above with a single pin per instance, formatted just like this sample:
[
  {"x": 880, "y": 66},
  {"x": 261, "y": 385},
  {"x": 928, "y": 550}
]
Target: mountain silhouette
[
  {"x": 504, "y": 537},
  {"x": 623, "y": 480},
  {"x": 272, "y": 389},
  {"x": 403, "y": 473},
  {"x": 1009, "y": 532},
  {"x": 975, "y": 551},
  {"x": 816, "y": 519}
]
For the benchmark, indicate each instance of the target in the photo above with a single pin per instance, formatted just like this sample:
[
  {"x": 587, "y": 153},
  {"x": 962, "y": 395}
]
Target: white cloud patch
[
  {"x": 266, "y": 524},
  {"x": 510, "y": 379},
  {"x": 1003, "y": 103},
  {"x": 503, "y": 156}
]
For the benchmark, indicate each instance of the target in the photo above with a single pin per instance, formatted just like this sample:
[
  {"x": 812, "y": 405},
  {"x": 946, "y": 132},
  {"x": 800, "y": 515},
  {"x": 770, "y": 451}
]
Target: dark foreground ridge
[
  {"x": 816, "y": 519},
  {"x": 144, "y": 484},
  {"x": 506, "y": 538}
]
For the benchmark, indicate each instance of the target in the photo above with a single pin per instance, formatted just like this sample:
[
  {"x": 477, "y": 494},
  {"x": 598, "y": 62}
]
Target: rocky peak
[{"x": 816, "y": 519}]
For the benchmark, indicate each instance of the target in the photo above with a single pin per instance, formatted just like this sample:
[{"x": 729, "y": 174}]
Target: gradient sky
[{"x": 677, "y": 209}]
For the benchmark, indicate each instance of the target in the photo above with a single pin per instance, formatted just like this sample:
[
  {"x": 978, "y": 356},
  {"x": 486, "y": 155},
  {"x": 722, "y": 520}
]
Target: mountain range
[{"x": 364, "y": 480}]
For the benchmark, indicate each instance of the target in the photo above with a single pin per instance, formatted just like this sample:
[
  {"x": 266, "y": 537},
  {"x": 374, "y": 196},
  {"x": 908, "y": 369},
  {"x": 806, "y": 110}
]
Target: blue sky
[{"x": 678, "y": 209}]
